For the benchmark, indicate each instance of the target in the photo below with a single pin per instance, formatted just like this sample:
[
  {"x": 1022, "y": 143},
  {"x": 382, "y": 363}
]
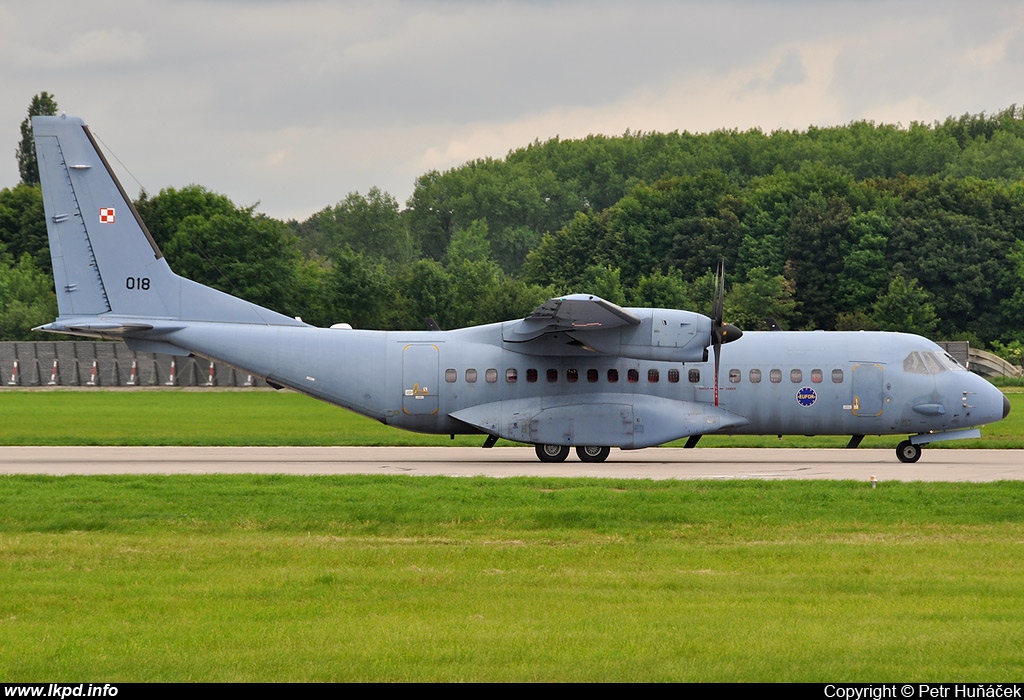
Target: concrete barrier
[{"x": 89, "y": 363}]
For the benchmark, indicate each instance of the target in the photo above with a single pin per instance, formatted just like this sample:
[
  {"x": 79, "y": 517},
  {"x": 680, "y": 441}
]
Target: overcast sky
[{"x": 295, "y": 104}]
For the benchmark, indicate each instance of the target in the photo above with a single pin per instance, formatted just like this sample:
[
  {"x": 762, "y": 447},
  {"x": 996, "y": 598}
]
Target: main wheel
[
  {"x": 591, "y": 453},
  {"x": 552, "y": 453},
  {"x": 908, "y": 452}
]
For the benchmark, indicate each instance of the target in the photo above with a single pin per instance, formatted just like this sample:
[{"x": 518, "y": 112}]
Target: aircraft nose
[{"x": 1006, "y": 406}]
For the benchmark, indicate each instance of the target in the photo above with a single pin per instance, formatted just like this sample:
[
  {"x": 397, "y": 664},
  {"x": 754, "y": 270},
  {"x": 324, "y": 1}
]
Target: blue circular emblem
[{"x": 806, "y": 396}]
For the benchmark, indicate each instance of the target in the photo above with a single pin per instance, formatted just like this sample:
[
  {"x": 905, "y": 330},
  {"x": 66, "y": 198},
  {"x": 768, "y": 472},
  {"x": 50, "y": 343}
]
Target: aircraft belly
[{"x": 616, "y": 420}]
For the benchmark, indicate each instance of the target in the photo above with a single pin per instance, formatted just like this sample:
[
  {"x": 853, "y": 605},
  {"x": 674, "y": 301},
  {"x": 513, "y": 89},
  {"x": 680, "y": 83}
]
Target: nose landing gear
[{"x": 908, "y": 452}]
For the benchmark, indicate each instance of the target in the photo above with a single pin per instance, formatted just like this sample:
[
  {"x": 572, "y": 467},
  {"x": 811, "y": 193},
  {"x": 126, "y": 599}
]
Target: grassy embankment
[
  {"x": 278, "y": 578},
  {"x": 200, "y": 417}
]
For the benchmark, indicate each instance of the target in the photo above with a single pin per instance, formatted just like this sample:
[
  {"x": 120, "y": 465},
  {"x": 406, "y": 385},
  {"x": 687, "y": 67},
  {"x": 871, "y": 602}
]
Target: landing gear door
[
  {"x": 868, "y": 390},
  {"x": 419, "y": 379}
]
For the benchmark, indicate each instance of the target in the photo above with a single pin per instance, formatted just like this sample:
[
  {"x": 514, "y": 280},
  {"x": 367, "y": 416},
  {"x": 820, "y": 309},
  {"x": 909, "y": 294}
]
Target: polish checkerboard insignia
[{"x": 107, "y": 215}]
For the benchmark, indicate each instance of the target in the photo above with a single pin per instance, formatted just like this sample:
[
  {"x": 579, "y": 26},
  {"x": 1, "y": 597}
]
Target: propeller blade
[
  {"x": 720, "y": 332},
  {"x": 719, "y": 301},
  {"x": 717, "y": 309}
]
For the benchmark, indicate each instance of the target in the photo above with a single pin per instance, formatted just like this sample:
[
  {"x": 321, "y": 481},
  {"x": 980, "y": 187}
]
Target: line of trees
[{"x": 917, "y": 229}]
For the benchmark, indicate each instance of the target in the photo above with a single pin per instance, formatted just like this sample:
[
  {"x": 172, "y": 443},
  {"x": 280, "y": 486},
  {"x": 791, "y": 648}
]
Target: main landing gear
[
  {"x": 558, "y": 453},
  {"x": 908, "y": 452}
]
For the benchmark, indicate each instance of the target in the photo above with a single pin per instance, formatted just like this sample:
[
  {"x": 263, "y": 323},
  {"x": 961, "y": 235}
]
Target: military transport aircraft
[{"x": 578, "y": 372}]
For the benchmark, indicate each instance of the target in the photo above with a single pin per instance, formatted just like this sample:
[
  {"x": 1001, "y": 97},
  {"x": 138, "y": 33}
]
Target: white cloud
[{"x": 295, "y": 104}]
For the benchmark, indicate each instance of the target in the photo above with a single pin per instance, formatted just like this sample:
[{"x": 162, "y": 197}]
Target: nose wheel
[{"x": 908, "y": 452}]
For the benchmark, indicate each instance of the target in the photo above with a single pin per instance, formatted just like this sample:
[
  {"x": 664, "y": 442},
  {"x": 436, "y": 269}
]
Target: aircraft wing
[{"x": 575, "y": 312}]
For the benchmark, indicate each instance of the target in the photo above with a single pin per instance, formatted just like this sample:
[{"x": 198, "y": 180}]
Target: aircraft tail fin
[{"x": 105, "y": 261}]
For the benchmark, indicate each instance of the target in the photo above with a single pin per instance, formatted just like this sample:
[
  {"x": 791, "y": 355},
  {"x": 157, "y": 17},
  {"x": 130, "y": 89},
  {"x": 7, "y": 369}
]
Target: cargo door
[
  {"x": 868, "y": 390},
  {"x": 420, "y": 364}
]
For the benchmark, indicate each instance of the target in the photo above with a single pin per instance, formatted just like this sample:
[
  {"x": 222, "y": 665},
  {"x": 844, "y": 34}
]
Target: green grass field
[
  {"x": 375, "y": 578},
  {"x": 201, "y": 417},
  {"x": 279, "y": 578}
]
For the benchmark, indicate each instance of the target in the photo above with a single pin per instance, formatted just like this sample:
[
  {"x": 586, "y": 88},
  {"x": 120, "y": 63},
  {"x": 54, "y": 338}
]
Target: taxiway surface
[{"x": 655, "y": 463}]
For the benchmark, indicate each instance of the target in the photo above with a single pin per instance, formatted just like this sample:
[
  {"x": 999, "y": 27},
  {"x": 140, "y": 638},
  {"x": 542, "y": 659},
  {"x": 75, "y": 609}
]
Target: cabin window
[
  {"x": 775, "y": 376},
  {"x": 837, "y": 376},
  {"x": 450, "y": 375},
  {"x": 613, "y": 376},
  {"x": 653, "y": 376},
  {"x": 593, "y": 375},
  {"x": 734, "y": 376},
  {"x": 572, "y": 375},
  {"x": 673, "y": 376},
  {"x": 796, "y": 376},
  {"x": 511, "y": 375},
  {"x": 633, "y": 376},
  {"x": 552, "y": 376},
  {"x": 470, "y": 376},
  {"x": 531, "y": 375},
  {"x": 693, "y": 376},
  {"x": 816, "y": 376},
  {"x": 755, "y": 376},
  {"x": 491, "y": 376}
]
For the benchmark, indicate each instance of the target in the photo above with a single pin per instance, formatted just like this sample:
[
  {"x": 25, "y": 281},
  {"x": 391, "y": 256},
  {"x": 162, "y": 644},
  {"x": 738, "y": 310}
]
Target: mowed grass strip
[
  {"x": 264, "y": 417},
  {"x": 281, "y": 578}
]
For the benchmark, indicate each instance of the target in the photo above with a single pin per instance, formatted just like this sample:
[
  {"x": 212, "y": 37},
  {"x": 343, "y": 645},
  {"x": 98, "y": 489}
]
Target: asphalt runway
[{"x": 654, "y": 463}]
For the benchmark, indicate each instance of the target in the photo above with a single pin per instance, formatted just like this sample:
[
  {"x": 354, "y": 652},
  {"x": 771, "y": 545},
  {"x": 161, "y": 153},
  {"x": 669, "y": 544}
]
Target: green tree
[
  {"x": 604, "y": 281},
  {"x": 816, "y": 249},
  {"x": 857, "y": 321},
  {"x": 561, "y": 258},
  {"x": 164, "y": 213},
  {"x": 370, "y": 224},
  {"x": 357, "y": 290},
  {"x": 23, "y": 224},
  {"x": 865, "y": 267},
  {"x": 27, "y": 298},
  {"x": 761, "y": 297},
  {"x": 422, "y": 289},
  {"x": 42, "y": 104},
  {"x": 470, "y": 244},
  {"x": 662, "y": 290},
  {"x": 905, "y": 307},
  {"x": 242, "y": 253}
]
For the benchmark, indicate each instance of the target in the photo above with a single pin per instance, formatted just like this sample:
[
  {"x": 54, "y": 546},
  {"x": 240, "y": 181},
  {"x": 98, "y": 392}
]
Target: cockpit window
[
  {"x": 933, "y": 365},
  {"x": 914, "y": 364},
  {"x": 930, "y": 362},
  {"x": 949, "y": 362}
]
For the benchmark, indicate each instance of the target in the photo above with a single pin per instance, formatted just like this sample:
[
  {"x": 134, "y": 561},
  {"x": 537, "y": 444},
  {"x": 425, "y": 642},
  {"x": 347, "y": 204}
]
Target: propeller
[{"x": 720, "y": 332}]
